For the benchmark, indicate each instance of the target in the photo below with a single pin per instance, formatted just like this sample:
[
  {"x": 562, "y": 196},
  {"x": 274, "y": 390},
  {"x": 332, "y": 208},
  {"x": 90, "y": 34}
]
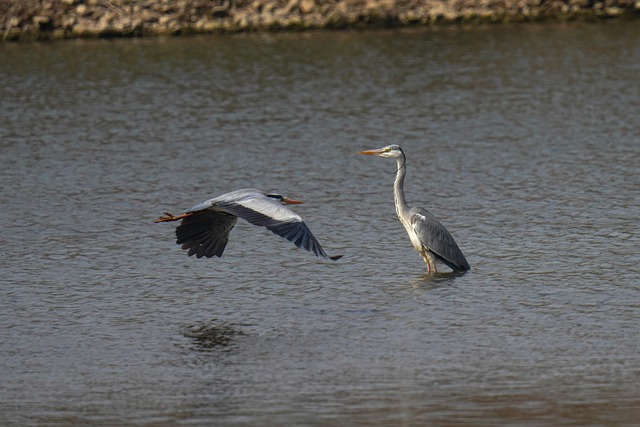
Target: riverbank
[{"x": 62, "y": 19}]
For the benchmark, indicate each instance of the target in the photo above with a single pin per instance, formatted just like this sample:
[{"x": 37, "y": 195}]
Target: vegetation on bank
[{"x": 58, "y": 19}]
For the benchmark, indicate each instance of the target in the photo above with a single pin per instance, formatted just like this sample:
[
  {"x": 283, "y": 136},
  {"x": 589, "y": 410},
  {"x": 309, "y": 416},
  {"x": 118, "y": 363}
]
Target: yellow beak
[
  {"x": 371, "y": 152},
  {"x": 289, "y": 201}
]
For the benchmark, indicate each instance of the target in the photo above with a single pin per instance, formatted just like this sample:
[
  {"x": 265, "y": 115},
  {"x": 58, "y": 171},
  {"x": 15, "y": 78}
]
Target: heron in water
[
  {"x": 428, "y": 236},
  {"x": 204, "y": 230}
]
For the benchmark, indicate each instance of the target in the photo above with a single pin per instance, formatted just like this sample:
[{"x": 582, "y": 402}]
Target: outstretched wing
[
  {"x": 264, "y": 211},
  {"x": 437, "y": 239},
  {"x": 205, "y": 233}
]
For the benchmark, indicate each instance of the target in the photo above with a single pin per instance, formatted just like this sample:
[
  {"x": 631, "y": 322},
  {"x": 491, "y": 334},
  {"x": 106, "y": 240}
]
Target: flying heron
[
  {"x": 428, "y": 236},
  {"x": 204, "y": 230}
]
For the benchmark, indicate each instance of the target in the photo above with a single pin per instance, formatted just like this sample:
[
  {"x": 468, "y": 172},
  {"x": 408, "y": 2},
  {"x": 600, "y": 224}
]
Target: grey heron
[
  {"x": 428, "y": 236},
  {"x": 204, "y": 230}
]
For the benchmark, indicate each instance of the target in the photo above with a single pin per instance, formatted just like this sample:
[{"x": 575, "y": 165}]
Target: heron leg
[
  {"x": 168, "y": 217},
  {"x": 430, "y": 261}
]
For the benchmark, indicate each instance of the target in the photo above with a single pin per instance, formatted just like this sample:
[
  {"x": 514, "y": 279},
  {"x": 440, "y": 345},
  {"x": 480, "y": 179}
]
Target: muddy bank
[{"x": 58, "y": 19}]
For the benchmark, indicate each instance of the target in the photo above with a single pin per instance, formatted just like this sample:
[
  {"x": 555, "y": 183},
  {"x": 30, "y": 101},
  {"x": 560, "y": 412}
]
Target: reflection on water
[
  {"x": 521, "y": 139},
  {"x": 211, "y": 334},
  {"x": 428, "y": 281}
]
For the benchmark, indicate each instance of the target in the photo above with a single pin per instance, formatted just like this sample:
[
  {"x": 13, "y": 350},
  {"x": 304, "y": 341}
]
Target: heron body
[
  {"x": 428, "y": 236},
  {"x": 204, "y": 230}
]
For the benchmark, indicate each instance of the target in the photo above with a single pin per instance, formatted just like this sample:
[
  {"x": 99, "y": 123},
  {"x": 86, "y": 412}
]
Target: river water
[{"x": 523, "y": 140}]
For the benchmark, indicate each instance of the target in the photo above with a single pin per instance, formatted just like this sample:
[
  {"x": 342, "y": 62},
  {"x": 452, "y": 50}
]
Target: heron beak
[
  {"x": 371, "y": 152},
  {"x": 288, "y": 201}
]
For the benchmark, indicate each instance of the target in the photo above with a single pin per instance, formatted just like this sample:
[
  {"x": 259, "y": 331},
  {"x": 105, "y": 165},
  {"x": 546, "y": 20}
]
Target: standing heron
[
  {"x": 428, "y": 236},
  {"x": 205, "y": 228}
]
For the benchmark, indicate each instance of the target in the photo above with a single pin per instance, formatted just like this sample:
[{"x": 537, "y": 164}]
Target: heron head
[
  {"x": 393, "y": 151},
  {"x": 285, "y": 200}
]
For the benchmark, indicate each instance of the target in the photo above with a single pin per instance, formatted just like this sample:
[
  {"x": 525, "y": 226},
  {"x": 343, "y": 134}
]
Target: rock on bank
[{"x": 57, "y": 19}]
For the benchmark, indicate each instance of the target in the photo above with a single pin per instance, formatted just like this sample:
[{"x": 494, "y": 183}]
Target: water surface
[{"x": 523, "y": 140}]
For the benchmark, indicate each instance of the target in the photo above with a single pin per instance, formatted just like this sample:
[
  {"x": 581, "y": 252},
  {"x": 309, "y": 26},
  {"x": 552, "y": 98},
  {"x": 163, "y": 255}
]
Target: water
[{"x": 522, "y": 139}]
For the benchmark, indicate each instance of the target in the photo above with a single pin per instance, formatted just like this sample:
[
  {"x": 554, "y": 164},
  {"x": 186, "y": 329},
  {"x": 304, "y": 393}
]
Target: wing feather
[
  {"x": 290, "y": 227},
  {"x": 205, "y": 233},
  {"x": 437, "y": 239}
]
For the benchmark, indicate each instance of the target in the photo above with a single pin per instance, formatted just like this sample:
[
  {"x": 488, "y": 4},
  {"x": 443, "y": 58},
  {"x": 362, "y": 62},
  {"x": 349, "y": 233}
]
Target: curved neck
[{"x": 402, "y": 209}]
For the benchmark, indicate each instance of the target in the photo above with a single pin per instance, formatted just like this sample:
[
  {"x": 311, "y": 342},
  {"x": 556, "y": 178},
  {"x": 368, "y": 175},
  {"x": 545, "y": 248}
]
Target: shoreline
[{"x": 22, "y": 20}]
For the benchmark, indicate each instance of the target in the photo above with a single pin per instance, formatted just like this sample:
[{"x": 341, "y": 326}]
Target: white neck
[{"x": 402, "y": 209}]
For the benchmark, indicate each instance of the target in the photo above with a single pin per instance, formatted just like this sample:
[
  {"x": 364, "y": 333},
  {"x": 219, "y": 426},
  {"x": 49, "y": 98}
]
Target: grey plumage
[
  {"x": 204, "y": 230},
  {"x": 438, "y": 239}
]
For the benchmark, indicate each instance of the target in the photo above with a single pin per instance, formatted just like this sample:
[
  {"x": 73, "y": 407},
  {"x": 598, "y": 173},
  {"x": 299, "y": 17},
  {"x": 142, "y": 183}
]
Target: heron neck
[{"x": 402, "y": 208}]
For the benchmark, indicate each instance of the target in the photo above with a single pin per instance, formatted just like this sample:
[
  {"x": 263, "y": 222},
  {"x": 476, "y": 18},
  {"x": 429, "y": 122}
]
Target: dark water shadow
[
  {"x": 433, "y": 281},
  {"x": 212, "y": 334}
]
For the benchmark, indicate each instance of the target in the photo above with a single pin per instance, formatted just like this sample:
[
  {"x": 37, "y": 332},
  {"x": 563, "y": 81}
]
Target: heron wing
[
  {"x": 245, "y": 194},
  {"x": 264, "y": 211},
  {"x": 437, "y": 239},
  {"x": 205, "y": 232}
]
